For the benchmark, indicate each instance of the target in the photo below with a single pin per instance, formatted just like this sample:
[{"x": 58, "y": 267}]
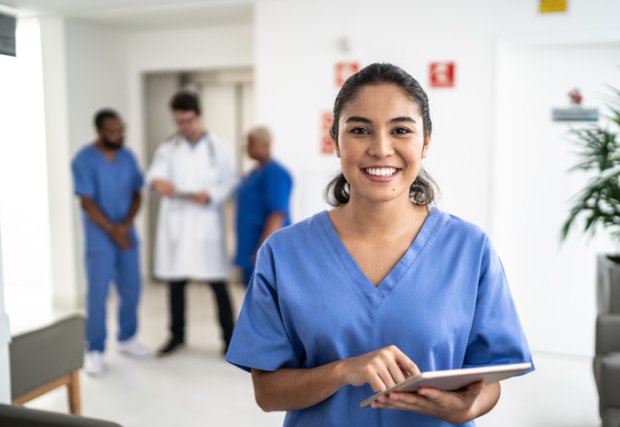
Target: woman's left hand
[{"x": 456, "y": 407}]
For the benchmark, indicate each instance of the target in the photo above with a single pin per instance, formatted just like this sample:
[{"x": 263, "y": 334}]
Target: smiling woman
[
  {"x": 416, "y": 126},
  {"x": 384, "y": 286}
]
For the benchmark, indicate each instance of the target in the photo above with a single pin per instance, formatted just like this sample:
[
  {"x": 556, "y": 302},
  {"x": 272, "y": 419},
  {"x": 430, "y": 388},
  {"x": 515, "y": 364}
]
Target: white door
[{"x": 553, "y": 283}]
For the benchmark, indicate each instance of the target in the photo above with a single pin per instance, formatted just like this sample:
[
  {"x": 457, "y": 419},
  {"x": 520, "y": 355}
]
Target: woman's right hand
[
  {"x": 163, "y": 188},
  {"x": 381, "y": 369}
]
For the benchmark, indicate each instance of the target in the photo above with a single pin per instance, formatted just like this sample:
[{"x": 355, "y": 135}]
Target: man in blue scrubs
[
  {"x": 263, "y": 200},
  {"x": 107, "y": 181}
]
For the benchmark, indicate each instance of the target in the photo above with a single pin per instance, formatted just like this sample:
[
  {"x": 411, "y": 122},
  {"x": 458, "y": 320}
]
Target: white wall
[
  {"x": 23, "y": 180},
  {"x": 64, "y": 256},
  {"x": 5, "y": 339},
  {"x": 25, "y": 257},
  {"x": 295, "y": 56},
  {"x": 85, "y": 70},
  {"x": 293, "y": 46},
  {"x": 179, "y": 50},
  {"x": 533, "y": 185}
]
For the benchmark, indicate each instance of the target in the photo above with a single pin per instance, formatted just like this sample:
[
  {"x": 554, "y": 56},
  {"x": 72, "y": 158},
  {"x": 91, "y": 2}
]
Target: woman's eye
[
  {"x": 402, "y": 131},
  {"x": 359, "y": 131}
]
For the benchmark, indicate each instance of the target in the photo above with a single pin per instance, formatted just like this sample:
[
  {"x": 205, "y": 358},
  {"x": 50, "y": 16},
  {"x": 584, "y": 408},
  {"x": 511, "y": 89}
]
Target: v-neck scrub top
[{"x": 445, "y": 304}]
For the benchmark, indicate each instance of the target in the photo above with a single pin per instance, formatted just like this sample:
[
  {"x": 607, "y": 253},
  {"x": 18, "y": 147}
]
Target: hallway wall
[
  {"x": 295, "y": 60},
  {"x": 293, "y": 46}
]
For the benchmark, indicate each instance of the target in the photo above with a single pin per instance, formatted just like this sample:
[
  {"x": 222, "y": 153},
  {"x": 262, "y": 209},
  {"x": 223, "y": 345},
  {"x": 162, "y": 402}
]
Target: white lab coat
[{"x": 190, "y": 241}]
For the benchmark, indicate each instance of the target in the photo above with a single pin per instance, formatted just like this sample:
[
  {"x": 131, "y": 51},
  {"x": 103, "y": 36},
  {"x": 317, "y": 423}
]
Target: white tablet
[{"x": 454, "y": 379}]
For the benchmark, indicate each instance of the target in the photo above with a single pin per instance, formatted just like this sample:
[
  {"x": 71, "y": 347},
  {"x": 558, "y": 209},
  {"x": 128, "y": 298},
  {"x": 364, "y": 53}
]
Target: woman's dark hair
[
  {"x": 185, "y": 101},
  {"x": 422, "y": 190}
]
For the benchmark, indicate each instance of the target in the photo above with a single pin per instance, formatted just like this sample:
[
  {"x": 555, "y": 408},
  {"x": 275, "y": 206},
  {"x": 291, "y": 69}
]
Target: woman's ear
[
  {"x": 427, "y": 143},
  {"x": 336, "y": 147}
]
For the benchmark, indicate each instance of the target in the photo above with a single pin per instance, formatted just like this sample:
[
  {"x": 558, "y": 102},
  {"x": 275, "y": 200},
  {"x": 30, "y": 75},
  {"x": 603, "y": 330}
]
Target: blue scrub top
[
  {"x": 111, "y": 184},
  {"x": 262, "y": 192},
  {"x": 446, "y": 305}
]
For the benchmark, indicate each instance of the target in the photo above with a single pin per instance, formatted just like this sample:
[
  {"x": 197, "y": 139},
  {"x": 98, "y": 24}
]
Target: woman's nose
[{"x": 381, "y": 146}]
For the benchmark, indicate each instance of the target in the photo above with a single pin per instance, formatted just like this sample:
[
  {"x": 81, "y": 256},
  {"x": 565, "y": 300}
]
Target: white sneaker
[
  {"x": 93, "y": 364},
  {"x": 132, "y": 347}
]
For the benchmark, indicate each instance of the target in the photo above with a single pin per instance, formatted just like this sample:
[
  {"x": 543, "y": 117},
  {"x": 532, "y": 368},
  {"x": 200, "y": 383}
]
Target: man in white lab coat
[{"x": 194, "y": 174}]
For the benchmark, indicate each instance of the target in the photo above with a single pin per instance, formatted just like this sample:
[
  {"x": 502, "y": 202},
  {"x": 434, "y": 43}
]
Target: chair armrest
[
  {"x": 45, "y": 354},
  {"x": 607, "y": 334},
  {"x": 17, "y": 416},
  {"x": 610, "y": 381}
]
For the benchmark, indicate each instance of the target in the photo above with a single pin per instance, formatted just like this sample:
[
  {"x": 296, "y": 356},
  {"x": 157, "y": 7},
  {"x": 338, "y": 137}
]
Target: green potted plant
[{"x": 599, "y": 202}]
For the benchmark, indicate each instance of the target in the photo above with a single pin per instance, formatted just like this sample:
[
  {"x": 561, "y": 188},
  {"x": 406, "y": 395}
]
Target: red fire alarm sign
[
  {"x": 327, "y": 143},
  {"x": 344, "y": 70},
  {"x": 442, "y": 74}
]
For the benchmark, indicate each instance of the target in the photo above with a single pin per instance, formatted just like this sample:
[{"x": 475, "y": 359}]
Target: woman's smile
[{"x": 380, "y": 173}]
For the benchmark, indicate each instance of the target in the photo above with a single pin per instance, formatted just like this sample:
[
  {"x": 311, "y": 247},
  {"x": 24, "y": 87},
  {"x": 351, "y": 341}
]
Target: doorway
[
  {"x": 553, "y": 282},
  {"x": 227, "y": 101}
]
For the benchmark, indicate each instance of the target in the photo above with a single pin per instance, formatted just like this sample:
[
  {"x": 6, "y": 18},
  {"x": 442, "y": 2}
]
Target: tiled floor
[{"x": 197, "y": 388}]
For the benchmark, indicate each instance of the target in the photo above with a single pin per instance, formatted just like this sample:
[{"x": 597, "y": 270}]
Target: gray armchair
[
  {"x": 46, "y": 358},
  {"x": 607, "y": 367},
  {"x": 16, "y": 416}
]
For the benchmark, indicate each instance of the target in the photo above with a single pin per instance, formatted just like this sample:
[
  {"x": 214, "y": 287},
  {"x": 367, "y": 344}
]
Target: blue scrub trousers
[{"x": 103, "y": 267}]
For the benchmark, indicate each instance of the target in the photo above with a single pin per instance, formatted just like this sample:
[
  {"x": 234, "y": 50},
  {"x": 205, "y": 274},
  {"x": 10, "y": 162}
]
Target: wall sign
[
  {"x": 327, "y": 143},
  {"x": 344, "y": 70},
  {"x": 441, "y": 74},
  {"x": 575, "y": 113},
  {"x": 552, "y": 6}
]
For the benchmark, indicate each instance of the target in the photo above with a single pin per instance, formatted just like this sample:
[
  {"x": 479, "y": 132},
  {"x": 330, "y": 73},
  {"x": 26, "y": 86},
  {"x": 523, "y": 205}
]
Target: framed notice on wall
[
  {"x": 7, "y": 34},
  {"x": 552, "y": 6},
  {"x": 327, "y": 143},
  {"x": 442, "y": 74}
]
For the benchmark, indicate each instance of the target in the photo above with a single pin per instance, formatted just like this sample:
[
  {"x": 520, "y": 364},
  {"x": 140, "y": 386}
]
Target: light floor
[{"x": 196, "y": 387}]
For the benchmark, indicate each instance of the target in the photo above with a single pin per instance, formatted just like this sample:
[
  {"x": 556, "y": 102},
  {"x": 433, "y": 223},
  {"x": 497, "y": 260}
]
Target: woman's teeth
[{"x": 380, "y": 171}]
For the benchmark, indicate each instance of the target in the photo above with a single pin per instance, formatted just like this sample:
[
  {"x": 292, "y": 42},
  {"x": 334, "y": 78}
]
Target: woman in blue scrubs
[
  {"x": 352, "y": 301},
  {"x": 262, "y": 201}
]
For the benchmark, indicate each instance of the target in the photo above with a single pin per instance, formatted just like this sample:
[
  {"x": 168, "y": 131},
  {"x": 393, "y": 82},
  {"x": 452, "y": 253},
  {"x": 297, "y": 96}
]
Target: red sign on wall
[
  {"x": 442, "y": 74},
  {"x": 344, "y": 70},
  {"x": 327, "y": 143}
]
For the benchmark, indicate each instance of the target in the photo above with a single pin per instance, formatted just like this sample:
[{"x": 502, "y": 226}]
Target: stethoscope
[{"x": 178, "y": 139}]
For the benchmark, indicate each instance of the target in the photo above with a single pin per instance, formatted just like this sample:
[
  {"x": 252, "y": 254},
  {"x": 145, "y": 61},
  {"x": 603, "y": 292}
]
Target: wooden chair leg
[
  {"x": 58, "y": 382},
  {"x": 73, "y": 388}
]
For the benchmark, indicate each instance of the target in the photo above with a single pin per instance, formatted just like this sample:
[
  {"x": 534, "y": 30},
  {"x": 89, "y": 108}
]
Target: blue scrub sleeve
[
  {"x": 278, "y": 191},
  {"x": 83, "y": 179},
  {"x": 260, "y": 339},
  {"x": 496, "y": 336}
]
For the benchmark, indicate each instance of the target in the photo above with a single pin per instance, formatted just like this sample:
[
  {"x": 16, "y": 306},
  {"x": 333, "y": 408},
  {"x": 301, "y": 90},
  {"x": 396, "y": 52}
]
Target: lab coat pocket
[
  {"x": 174, "y": 219},
  {"x": 209, "y": 228}
]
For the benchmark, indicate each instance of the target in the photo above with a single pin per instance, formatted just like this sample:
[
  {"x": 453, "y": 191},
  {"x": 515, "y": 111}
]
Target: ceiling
[{"x": 142, "y": 14}]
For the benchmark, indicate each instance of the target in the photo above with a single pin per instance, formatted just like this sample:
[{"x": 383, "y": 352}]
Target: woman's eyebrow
[
  {"x": 394, "y": 120},
  {"x": 403, "y": 119},
  {"x": 358, "y": 119}
]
